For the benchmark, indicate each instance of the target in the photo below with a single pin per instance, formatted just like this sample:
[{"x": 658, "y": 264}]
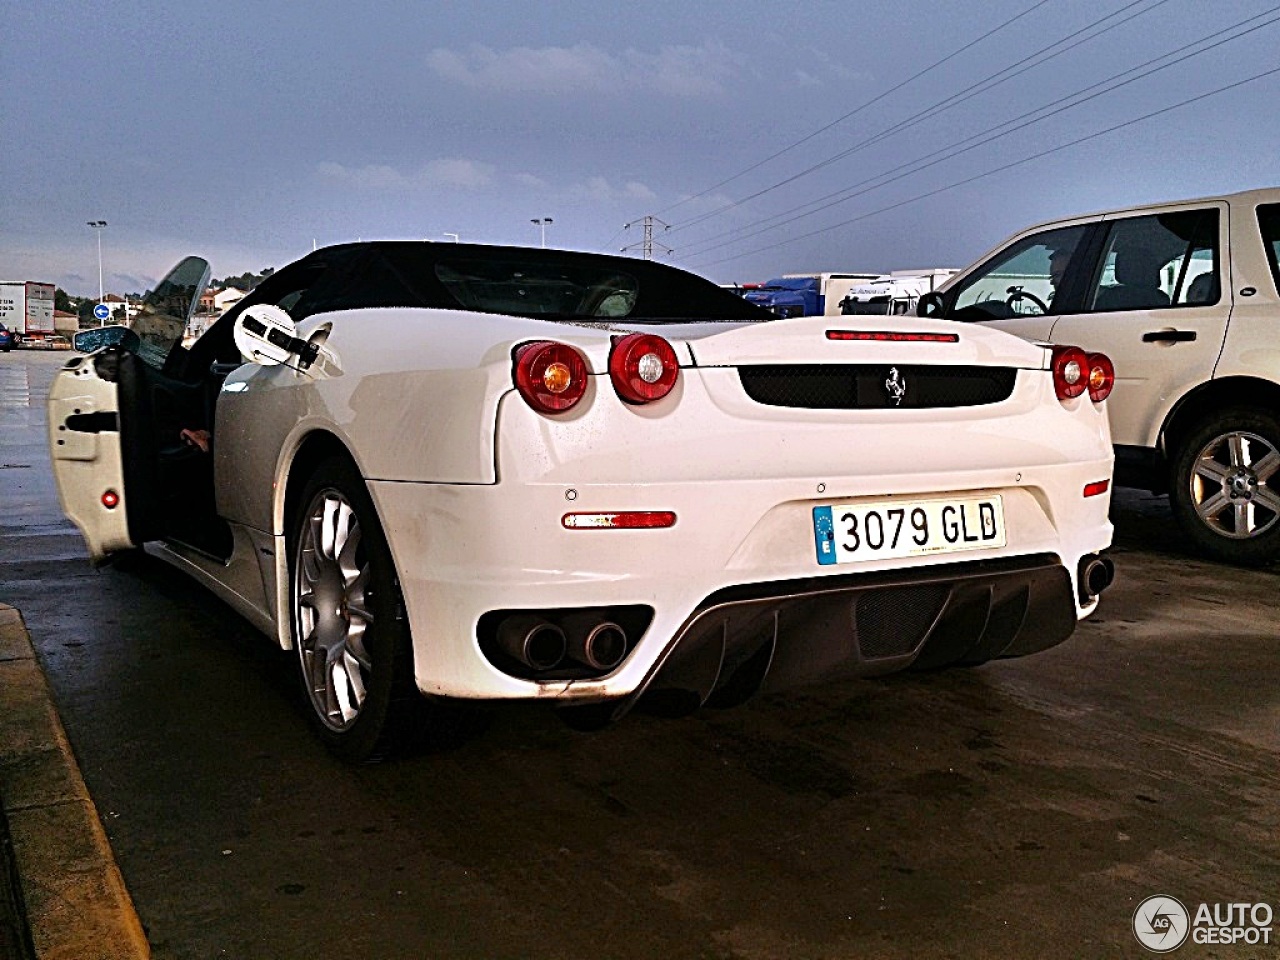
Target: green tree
[
  {"x": 62, "y": 302},
  {"x": 245, "y": 281}
]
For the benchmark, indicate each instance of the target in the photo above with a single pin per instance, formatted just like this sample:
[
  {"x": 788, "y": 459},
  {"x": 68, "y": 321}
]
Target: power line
[
  {"x": 989, "y": 135},
  {"x": 1004, "y": 167},
  {"x": 968, "y": 93},
  {"x": 856, "y": 110}
]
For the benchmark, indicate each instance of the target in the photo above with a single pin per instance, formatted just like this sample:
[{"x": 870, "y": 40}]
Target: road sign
[{"x": 102, "y": 312}]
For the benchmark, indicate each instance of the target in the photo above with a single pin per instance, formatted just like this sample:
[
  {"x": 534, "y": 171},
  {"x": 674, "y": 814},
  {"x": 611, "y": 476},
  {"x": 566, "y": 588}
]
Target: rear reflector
[
  {"x": 110, "y": 499},
  {"x": 886, "y": 336},
  {"x": 631, "y": 520},
  {"x": 1097, "y": 488}
]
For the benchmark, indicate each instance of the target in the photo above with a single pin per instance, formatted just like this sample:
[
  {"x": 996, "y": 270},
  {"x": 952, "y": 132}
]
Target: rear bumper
[{"x": 774, "y": 636}]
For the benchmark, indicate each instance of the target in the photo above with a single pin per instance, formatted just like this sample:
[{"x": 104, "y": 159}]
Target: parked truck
[
  {"x": 894, "y": 293},
  {"x": 26, "y": 308},
  {"x": 806, "y": 294}
]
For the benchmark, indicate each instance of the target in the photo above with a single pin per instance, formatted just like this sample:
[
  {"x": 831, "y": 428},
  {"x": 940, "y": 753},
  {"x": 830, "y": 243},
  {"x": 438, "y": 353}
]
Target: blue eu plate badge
[{"x": 824, "y": 534}]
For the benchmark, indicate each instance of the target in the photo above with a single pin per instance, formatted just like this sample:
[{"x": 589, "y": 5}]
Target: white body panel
[{"x": 87, "y": 462}]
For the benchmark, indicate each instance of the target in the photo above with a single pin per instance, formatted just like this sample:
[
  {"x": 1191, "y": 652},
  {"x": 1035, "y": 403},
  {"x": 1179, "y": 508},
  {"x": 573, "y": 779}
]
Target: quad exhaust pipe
[{"x": 542, "y": 643}]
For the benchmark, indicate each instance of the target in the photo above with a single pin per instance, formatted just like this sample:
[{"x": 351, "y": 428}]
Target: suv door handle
[{"x": 1169, "y": 336}]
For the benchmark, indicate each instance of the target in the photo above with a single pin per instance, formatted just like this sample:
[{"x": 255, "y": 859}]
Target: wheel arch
[
  {"x": 1211, "y": 396},
  {"x": 312, "y": 449}
]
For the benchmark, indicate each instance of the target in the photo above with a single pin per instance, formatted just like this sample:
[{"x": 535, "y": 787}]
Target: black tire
[
  {"x": 347, "y": 607},
  {"x": 1225, "y": 485}
]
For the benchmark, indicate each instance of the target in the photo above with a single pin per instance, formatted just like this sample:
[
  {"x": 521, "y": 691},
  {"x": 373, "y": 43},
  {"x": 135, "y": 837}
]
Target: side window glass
[
  {"x": 166, "y": 311},
  {"x": 1022, "y": 280},
  {"x": 1269, "y": 223},
  {"x": 1166, "y": 260}
]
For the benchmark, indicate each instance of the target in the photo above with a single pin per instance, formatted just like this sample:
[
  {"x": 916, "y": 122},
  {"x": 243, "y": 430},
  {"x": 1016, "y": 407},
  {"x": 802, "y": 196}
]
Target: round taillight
[
  {"x": 110, "y": 499},
  {"x": 643, "y": 367},
  {"x": 1102, "y": 377},
  {"x": 551, "y": 377},
  {"x": 1070, "y": 372}
]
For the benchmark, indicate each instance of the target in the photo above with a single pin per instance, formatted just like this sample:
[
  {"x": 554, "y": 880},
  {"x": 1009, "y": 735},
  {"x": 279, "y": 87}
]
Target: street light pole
[
  {"x": 97, "y": 227},
  {"x": 454, "y": 235},
  {"x": 542, "y": 222}
]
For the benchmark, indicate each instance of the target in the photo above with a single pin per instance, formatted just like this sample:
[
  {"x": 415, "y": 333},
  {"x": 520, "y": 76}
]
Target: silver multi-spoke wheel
[
  {"x": 1230, "y": 485},
  {"x": 1225, "y": 484},
  {"x": 332, "y": 612}
]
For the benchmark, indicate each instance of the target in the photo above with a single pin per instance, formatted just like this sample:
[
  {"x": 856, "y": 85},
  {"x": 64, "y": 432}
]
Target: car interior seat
[
  {"x": 1137, "y": 285},
  {"x": 1204, "y": 288}
]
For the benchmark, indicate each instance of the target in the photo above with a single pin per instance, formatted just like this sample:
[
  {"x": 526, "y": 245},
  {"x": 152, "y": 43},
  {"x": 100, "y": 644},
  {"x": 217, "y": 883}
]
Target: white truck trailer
[
  {"x": 894, "y": 293},
  {"x": 26, "y": 308}
]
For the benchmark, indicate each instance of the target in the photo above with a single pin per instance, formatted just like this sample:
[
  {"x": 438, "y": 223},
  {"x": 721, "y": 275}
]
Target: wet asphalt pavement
[{"x": 1021, "y": 809}]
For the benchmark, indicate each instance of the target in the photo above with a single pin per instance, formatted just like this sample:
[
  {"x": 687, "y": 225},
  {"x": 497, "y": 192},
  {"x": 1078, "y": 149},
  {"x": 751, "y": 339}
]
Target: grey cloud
[{"x": 678, "y": 71}]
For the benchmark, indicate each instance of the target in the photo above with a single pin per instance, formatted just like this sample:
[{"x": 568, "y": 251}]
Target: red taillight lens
[
  {"x": 110, "y": 499},
  {"x": 643, "y": 367},
  {"x": 551, "y": 377},
  {"x": 1070, "y": 372},
  {"x": 1102, "y": 377}
]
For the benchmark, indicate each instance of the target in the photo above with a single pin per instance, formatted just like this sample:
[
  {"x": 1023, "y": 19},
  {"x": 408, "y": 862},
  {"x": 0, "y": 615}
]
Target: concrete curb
[{"x": 77, "y": 907}]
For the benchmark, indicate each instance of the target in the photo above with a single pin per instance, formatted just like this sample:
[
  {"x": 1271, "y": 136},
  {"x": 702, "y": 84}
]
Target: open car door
[{"x": 103, "y": 414}]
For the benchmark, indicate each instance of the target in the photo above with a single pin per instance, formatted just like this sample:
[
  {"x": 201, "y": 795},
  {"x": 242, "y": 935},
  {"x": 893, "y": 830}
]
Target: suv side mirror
[{"x": 932, "y": 304}]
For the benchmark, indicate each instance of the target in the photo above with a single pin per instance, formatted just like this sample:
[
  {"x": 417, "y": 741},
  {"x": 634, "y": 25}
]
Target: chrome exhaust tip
[
  {"x": 598, "y": 644},
  {"x": 1095, "y": 575},
  {"x": 537, "y": 643}
]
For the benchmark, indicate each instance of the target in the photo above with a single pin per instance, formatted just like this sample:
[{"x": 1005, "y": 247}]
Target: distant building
[
  {"x": 64, "y": 322},
  {"x": 226, "y": 298},
  {"x": 122, "y": 310}
]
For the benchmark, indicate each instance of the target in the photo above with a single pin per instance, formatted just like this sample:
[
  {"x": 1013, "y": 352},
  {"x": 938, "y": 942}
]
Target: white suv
[{"x": 1183, "y": 298}]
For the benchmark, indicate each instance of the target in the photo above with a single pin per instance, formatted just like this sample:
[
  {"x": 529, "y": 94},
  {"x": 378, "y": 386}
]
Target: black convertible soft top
[{"x": 519, "y": 281}]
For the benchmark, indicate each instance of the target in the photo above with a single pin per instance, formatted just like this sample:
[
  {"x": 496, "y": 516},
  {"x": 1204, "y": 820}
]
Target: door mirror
[
  {"x": 932, "y": 304},
  {"x": 91, "y": 341},
  {"x": 266, "y": 334}
]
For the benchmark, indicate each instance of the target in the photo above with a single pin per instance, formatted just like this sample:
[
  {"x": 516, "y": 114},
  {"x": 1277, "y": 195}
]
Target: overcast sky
[{"x": 247, "y": 132}]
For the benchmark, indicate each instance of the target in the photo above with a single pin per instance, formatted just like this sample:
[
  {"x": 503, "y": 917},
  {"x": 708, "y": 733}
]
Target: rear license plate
[{"x": 888, "y": 529}]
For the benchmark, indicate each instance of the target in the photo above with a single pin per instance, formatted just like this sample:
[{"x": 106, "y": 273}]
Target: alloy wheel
[
  {"x": 332, "y": 610},
  {"x": 1230, "y": 485}
]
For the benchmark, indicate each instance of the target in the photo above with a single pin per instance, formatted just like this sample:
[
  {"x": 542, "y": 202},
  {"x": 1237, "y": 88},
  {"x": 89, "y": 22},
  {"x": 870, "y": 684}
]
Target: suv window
[
  {"x": 1269, "y": 224},
  {"x": 1166, "y": 260},
  {"x": 1022, "y": 281}
]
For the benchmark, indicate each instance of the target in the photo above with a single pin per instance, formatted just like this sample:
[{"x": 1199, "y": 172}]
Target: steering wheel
[{"x": 1016, "y": 294}]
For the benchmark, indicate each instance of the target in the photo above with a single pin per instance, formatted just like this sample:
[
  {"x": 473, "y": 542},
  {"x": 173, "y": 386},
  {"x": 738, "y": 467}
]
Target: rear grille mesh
[
  {"x": 863, "y": 386},
  {"x": 891, "y": 623}
]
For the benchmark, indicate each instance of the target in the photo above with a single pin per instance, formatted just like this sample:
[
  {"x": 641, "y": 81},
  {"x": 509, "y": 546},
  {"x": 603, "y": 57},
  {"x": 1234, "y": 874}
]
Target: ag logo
[{"x": 1161, "y": 924}]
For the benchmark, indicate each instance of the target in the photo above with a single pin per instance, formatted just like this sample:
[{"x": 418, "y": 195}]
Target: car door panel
[{"x": 1160, "y": 351}]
